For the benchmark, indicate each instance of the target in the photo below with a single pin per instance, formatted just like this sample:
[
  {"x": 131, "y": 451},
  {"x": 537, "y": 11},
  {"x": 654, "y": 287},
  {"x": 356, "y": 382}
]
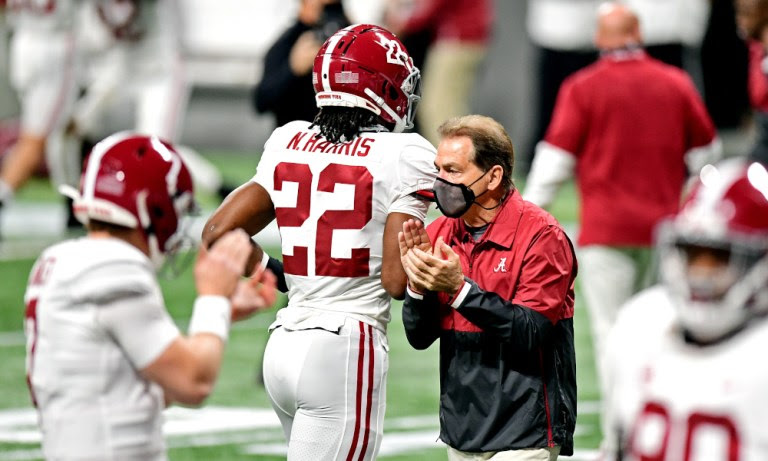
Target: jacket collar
[
  {"x": 629, "y": 53},
  {"x": 502, "y": 229}
]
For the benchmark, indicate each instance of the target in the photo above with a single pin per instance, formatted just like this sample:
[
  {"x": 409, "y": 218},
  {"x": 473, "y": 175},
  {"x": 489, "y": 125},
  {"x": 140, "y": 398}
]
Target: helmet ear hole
[{"x": 392, "y": 92}]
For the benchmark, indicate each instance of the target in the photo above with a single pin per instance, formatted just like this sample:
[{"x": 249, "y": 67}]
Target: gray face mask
[{"x": 453, "y": 200}]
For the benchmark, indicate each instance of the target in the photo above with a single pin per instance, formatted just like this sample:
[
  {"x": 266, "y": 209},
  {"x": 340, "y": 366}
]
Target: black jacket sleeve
[
  {"x": 520, "y": 325},
  {"x": 276, "y": 266},
  {"x": 277, "y": 78},
  {"x": 421, "y": 318}
]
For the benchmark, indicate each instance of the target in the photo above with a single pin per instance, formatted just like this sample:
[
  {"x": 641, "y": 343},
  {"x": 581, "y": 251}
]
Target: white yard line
[{"x": 257, "y": 430}]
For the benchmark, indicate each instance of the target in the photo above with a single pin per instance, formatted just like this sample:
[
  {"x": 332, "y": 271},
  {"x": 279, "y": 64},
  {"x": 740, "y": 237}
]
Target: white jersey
[
  {"x": 675, "y": 401},
  {"x": 331, "y": 204},
  {"x": 42, "y": 15},
  {"x": 95, "y": 317}
]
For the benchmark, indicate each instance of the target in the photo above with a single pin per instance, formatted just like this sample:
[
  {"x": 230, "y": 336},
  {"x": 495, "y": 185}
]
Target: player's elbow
[
  {"x": 394, "y": 283},
  {"x": 395, "y": 289},
  {"x": 418, "y": 342}
]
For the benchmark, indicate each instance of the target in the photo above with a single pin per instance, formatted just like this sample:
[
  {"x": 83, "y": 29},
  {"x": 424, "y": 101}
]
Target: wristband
[
  {"x": 413, "y": 293},
  {"x": 460, "y": 295},
  {"x": 211, "y": 314}
]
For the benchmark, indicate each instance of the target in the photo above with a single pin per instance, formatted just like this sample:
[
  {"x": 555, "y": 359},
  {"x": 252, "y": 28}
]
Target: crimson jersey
[
  {"x": 331, "y": 204},
  {"x": 676, "y": 401}
]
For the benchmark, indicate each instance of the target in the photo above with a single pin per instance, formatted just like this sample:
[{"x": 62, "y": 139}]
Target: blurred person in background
[
  {"x": 9, "y": 105},
  {"x": 724, "y": 63},
  {"x": 43, "y": 55},
  {"x": 461, "y": 32},
  {"x": 562, "y": 32},
  {"x": 685, "y": 380},
  {"x": 104, "y": 357},
  {"x": 285, "y": 89},
  {"x": 752, "y": 20},
  {"x": 340, "y": 189},
  {"x": 669, "y": 28},
  {"x": 493, "y": 280},
  {"x": 629, "y": 129},
  {"x": 134, "y": 63}
]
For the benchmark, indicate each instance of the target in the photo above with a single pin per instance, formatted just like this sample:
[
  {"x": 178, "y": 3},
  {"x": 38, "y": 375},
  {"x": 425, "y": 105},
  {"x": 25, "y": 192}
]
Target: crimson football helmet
[
  {"x": 727, "y": 215},
  {"x": 139, "y": 182},
  {"x": 366, "y": 66}
]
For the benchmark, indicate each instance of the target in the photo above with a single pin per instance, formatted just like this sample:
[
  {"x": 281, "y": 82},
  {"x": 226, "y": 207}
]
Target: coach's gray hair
[{"x": 492, "y": 145}]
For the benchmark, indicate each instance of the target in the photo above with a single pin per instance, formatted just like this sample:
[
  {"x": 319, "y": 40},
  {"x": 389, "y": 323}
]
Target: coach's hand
[{"x": 438, "y": 270}]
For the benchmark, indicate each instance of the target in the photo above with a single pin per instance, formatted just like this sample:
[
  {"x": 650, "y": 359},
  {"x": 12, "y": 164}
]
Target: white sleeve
[
  {"x": 130, "y": 307},
  {"x": 552, "y": 166},
  {"x": 265, "y": 169},
  {"x": 415, "y": 171},
  {"x": 696, "y": 158},
  {"x": 140, "y": 325}
]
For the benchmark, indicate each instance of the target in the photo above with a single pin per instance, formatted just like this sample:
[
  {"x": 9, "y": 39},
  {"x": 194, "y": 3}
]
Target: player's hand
[
  {"x": 257, "y": 293},
  {"x": 413, "y": 236},
  {"x": 439, "y": 270},
  {"x": 218, "y": 270},
  {"x": 303, "y": 53}
]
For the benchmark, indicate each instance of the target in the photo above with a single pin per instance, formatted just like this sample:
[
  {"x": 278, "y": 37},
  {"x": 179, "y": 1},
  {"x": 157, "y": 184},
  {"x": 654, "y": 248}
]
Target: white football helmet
[{"x": 727, "y": 215}]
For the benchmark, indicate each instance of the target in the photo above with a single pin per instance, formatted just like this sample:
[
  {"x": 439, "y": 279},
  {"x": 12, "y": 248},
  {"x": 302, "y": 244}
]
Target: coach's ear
[{"x": 495, "y": 177}]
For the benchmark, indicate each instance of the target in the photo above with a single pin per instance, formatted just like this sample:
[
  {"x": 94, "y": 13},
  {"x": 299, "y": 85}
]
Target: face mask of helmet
[
  {"x": 179, "y": 249},
  {"x": 714, "y": 253},
  {"x": 715, "y": 299}
]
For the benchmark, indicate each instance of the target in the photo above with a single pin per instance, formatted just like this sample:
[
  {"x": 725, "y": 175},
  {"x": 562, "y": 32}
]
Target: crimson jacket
[{"x": 507, "y": 360}]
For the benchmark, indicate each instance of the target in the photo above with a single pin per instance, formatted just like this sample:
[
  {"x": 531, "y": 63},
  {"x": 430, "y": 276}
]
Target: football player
[
  {"x": 133, "y": 58},
  {"x": 340, "y": 189},
  {"x": 685, "y": 375},
  {"x": 42, "y": 66},
  {"x": 103, "y": 355}
]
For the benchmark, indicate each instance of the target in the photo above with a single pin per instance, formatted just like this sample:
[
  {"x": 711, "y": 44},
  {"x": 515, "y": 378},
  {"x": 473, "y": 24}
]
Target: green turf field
[{"x": 238, "y": 424}]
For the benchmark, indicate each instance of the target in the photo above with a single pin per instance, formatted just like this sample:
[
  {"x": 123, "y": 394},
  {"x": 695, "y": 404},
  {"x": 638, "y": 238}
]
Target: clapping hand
[{"x": 435, "y": 270}]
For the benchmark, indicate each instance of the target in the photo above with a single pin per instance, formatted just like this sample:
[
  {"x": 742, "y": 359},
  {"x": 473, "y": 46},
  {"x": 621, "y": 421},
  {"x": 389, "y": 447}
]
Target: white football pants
[
  {"x": 609, "y": 276},
  {"x": 328, "y": 389}
]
